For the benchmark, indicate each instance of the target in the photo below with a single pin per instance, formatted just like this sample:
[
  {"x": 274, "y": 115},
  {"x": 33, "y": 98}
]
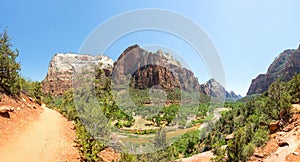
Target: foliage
[
  {"x": 9, "y": 67},
  {"x": 31, "y": 89},
  {"x": 160, "y": 140},
  {"x": 294, "y": 89},
  {"x": 89, "y": 146},
  {"x": 187, "y": 144},
  {"x": 165, "y": 116},
  {"x": 92, "y": 111},
  {"x": 249, "y": 123}
]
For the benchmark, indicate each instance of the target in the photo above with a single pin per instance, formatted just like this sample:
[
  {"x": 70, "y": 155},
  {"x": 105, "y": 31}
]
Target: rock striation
[
  {"x": 142, "y": 69},
  {"x": 136, "y": 68},
  {"x": 62, "y": 68},
  {"x": 284, "y": 67}
]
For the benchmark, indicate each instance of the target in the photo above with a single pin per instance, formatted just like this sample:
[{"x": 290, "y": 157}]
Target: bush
[{"x": 31, "y": 89}]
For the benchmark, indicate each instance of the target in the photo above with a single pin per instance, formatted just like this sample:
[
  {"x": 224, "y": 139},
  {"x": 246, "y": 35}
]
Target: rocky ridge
[
  {"x": 62, "y": 68},
  {"x": 284, "y": 67},
  {"x": 136, "y": 68},
  {"x": 215, "y": 89}
]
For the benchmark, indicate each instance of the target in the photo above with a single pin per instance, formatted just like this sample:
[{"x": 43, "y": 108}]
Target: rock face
[
  {"x": 285, "y": 66},
  {"x": 214, "y": 89},
  {"x": 142, "y": 69},
  {"x": 136, "y": 68},
  {"x": 62, "y": 67}
]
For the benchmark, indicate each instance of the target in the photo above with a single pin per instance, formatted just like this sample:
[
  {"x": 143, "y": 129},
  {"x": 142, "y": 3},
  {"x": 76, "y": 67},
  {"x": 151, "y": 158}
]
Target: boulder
[{"x": 274, "y": 126}]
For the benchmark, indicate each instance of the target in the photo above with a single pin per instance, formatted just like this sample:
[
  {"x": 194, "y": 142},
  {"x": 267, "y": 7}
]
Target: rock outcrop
[
  {"x": 142, "y": 69},
  {"x": 62, "y": 67},
  {"x": 284, "y": 67},
  {"x": 215, "y": 89},
  {"x": 136, "y": 68}
]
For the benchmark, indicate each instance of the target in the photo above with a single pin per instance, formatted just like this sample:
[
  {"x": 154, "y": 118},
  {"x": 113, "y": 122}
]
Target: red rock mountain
[
  {"x": 142, "y": 69},
  {"x": 284, "y": 67},
  {"x": 136, "y": 68}
]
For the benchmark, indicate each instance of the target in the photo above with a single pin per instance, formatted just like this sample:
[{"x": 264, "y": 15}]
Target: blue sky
[{"x": 248, "y": 34}]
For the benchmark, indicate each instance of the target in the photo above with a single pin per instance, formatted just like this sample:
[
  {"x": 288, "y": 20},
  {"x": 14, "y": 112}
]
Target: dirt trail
[
  {"x": 272, "y": 152},
  {"x": 48, "y": 138}
]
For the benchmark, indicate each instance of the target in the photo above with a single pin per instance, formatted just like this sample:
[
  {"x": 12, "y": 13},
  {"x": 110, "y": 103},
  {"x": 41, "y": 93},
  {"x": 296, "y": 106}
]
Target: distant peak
[
  {"x": 212, "y": 80},
  {"x": 131, "y": 48},
  {"x": 284, "y": 67}
]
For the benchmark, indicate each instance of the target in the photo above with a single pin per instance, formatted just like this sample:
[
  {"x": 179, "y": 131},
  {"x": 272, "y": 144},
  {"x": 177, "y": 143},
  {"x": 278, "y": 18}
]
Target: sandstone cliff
[
  {"x": 142, "y": 69},
  {"x": 136, "y": 68},
  {"x": 61, "y": 69},
  {"x": 284, "y": 67}
]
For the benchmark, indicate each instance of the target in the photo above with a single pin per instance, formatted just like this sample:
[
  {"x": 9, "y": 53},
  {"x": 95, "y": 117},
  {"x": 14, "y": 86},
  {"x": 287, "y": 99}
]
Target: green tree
[
  {"x": 235, "y": 148},
  {"x": 294, "y": 89},
  {"x": 9, "y": 67},
  {"x": 160, "y": 140}
]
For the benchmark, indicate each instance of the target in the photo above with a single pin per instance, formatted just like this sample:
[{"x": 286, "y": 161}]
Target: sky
[{"x": 248, "y": 34}]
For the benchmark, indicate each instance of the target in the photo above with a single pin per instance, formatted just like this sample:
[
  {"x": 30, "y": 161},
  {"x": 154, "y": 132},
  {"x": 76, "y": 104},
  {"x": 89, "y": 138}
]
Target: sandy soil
[{"x": 36, "y": 135}]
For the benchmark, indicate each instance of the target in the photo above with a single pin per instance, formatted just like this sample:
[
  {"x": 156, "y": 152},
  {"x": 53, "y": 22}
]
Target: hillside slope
[
  {"x": 34, "y": 133},
  {"x": 274, "y": 150}
]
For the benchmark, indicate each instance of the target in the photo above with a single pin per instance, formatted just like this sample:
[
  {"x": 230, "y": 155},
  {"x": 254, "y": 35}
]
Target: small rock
[
  {"x": 283, "y": 143},
  {"x": 30, "y": 99},
  {"x": 291, "y": 120},
  {"x": 288, "y": 128},
  {"x": 18, "y": 109},
  {"x": 258, "y": 155},
  {"x": 6, "y": 109},
  {"x": 296, "y": 153}
]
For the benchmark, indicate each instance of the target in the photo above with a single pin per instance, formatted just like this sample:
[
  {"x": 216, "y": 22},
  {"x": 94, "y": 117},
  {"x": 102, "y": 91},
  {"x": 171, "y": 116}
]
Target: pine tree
[{"x": 9, "y": 68}]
